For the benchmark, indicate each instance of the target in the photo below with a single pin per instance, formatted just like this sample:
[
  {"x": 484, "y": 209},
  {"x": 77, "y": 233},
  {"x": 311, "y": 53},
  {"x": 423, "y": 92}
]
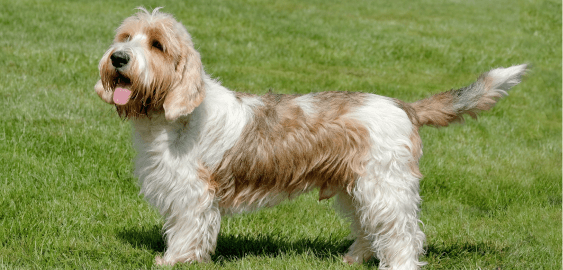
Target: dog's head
[{"x": 151, "y": 66}]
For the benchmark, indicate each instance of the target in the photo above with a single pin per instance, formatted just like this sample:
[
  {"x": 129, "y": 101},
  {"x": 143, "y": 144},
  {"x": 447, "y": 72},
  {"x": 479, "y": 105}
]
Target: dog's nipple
[{"x": 121, "y": 96}]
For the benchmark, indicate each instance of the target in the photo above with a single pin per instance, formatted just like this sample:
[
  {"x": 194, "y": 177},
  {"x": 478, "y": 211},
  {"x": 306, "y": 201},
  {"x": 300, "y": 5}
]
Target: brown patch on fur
[
  {"x": 127, "y": 29},
  {"x": 338, "y": 102},
  {"x": 282, "y": 150},
  {"x": 205, "y": 175},
  {"x": 416, "y": 151},
  {"x": 436, "y": 110},
  {"x": 416, "y": 142},
  {"x": 410, "y": 111}
]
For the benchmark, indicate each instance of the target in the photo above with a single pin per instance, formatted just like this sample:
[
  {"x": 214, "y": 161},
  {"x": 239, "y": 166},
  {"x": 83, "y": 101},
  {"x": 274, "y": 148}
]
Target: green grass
[{"x": 492, "y": 187}]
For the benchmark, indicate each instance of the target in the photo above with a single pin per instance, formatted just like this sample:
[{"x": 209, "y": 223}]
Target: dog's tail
[{"x": 447, "y": 107}]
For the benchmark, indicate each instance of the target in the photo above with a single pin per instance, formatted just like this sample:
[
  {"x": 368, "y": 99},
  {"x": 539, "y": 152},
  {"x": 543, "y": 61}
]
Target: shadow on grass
[
  {"x": 234, "y": 247},
  {"x": 146, "y": 238}
]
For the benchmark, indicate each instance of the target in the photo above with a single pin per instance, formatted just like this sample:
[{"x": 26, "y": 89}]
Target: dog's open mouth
[{"x": 122, "y": 94}]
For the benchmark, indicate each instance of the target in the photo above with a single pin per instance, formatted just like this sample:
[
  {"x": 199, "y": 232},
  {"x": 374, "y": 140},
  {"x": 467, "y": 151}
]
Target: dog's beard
[
  {"x": 134, "y": 99},
  {"x": 125, "y": 97}
]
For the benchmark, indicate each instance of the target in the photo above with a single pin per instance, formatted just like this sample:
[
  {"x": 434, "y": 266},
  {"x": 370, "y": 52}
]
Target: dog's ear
[
  {"x": 189, "y": 90},
  {"x": 106, "y": 96}
]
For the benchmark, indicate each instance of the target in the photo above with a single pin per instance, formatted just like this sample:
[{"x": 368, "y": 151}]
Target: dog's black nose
[{"x": 119, "y": 59}]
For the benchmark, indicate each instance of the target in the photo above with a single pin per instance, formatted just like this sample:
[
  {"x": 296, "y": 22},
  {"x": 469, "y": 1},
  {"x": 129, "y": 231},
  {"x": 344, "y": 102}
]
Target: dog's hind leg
[{"x": 387, "y": 209}]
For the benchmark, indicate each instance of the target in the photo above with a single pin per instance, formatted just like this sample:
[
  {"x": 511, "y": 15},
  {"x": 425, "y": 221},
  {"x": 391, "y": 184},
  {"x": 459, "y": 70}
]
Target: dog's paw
[
  {"x": 351, "y": 259},
  {"x": 160, "y": 261},
  {"x": 170, "y": 260}
]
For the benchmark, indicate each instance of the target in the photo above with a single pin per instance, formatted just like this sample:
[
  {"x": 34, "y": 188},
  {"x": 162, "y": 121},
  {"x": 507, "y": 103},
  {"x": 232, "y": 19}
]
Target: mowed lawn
[{"x": 492, "y": 187}]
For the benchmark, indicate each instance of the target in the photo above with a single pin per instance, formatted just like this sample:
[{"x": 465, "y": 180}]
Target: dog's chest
[
  {"x": 166, "y": 154},
  {"x": 179, "y": 149}
]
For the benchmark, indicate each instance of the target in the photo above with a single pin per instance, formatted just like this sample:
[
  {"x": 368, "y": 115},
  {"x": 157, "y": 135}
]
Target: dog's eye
[{"x": 157, "y": 45}]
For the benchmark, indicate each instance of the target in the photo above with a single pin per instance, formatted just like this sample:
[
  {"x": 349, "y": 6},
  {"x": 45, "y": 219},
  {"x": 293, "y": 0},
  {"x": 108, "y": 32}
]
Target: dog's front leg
[{"x": 192, "y": 225}]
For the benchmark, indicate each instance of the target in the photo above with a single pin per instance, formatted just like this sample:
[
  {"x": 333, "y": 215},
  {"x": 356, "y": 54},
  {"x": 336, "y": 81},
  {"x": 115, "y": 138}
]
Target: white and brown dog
[{"x": 205, "y": 151}]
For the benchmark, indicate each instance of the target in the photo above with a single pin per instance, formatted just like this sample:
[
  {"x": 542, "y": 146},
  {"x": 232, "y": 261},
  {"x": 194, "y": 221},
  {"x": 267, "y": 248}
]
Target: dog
[{"x": 205, "y": 151}]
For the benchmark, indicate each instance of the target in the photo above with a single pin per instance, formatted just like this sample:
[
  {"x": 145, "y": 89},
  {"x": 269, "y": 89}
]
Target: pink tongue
[{"x": 121, "y": 96}]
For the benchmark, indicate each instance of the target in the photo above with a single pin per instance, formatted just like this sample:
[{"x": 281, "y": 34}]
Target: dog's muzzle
[{"x": 119, "y": 59}]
